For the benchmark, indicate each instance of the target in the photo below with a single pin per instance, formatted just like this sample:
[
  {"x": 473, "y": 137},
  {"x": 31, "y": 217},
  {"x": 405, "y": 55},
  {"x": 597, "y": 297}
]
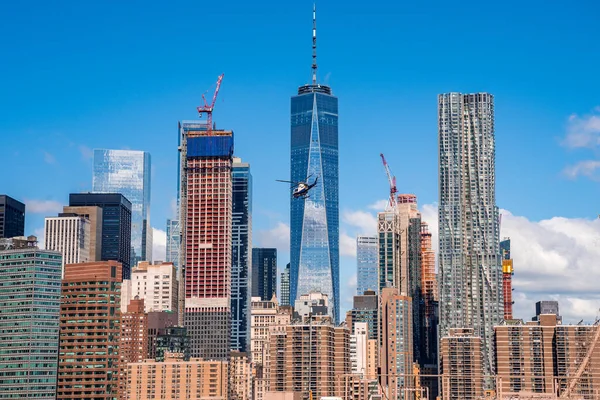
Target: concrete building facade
[
  {"x": 175, "y": 379},
  {"x": 69, "y": 234},
  {"x": 94, "y": 215},
  {"x": 157, "y": 284},
  {"x": 309, "y": 358},
  {"x": 461, "y": 365},
  {"x": 88, "y": 365}
]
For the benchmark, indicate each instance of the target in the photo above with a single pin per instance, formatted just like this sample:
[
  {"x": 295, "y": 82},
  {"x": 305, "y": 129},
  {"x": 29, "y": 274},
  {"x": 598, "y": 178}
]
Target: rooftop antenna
[{"x": 314, "y": 46}]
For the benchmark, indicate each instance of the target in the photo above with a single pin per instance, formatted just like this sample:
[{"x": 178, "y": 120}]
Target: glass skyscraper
[
  {"x": 470, "y": 265},
  {"x": 314, "y": 220},
  {"x": 264, "y": 273},
  {"x": 241, "y": 243},
  {"x": 30, "y": 287},
  {"x": 173, "y": 242},
  {"x": 128, "y": 172},
  {"x": 367, "y": 268}
]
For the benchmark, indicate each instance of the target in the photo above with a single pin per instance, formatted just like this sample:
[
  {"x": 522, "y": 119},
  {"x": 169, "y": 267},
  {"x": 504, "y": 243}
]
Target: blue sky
[{"x": 96, "y": 74}]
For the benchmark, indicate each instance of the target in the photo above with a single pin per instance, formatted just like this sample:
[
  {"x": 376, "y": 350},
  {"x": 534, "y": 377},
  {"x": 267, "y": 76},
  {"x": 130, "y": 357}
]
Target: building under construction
[{"x": 507, "y": 273}]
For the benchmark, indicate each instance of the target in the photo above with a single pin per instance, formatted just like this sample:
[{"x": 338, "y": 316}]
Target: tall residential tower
[
  {"x": 314, "y": 233},
  {"x": 470, "y": 266},
  {"x": 206, "y": 161},
  {"x": 367, "y": 269}
]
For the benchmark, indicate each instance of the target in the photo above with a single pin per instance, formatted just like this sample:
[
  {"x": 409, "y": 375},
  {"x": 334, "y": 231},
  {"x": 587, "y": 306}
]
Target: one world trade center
[{"x": 314, "y": 219}]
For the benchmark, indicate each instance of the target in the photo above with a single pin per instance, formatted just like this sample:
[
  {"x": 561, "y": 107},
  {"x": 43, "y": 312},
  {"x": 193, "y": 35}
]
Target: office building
[
  {"x": 547, "y": 307},
  {"x": 133, "y": 345},
  {"x": 470, "y": 266},
  {"x": 159, "y": 324},
  {"x": 173, "y": 251},
  {"x": 396, "y": 344},
  {"x": 157, "y": 284},
  {"x": 314, "y": 220},
  {"x": 69, "y": 234},
  {"x": 365, "y": 309},
  {"x": 241, "y": 262},
  {"x": 115, "y": 244},
  {"x": 367, "y": 270},
  {"x": 206, "y": 211},
  {"x": 175, "y": 379},
  {"x": 173, "y": 340},
  {"x": 94, "y": 215},
  {"x": 284, "y": 288},
  {"x": 30, "y": 308},
  {"x": 240, "y": 376},
  {"x": 264, "y": 273},
  {"x": 12, "y": 217},
  {"x": 90, "y": 307},
  {"x": 544, "y": 357},
  {"x": 128, "y": 172},
  {"x": 296, "y": 366},
  {"x": 461, "y": 365}
]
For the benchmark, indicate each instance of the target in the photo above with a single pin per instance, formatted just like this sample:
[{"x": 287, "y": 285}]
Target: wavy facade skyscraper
[
  {"x": 314, "y": 220},
  {"x": 470, "y": 265}
]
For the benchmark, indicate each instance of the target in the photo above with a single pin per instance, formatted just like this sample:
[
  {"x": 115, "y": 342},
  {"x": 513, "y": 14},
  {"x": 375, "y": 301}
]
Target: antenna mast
[{"x": 314, "y": 45}]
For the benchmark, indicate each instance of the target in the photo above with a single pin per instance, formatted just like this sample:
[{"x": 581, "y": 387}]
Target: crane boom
[
  {"x": 208, "y": 109},
  {"x": 392, "y": 182},
  {"x": 573, "y": 382}
]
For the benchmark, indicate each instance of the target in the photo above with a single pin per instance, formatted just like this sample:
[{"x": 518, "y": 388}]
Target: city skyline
[{"x": 537, "y": 118}]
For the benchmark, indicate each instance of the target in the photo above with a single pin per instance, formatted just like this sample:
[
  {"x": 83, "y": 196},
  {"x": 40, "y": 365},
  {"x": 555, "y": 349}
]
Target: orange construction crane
[
  {"x": 392, "y": 181},
  {"x": 208, "y": 109}
]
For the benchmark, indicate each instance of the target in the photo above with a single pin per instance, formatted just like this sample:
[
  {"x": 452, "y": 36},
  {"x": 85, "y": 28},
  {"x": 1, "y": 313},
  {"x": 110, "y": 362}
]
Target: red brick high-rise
[
  {"x": 90, "y": 328},
  {"x": 133, "y": 347},
  {"x": 206, "y": 223}
]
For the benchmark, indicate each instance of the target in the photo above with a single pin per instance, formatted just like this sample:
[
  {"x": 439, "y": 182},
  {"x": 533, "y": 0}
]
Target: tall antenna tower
[{"x": 314, "y": 46}]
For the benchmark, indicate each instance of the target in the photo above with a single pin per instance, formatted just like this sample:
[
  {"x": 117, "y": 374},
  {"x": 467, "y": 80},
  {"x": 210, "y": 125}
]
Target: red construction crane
[
  {"x": 208, "y": 109},
  {"x": 392, "y": 181}
]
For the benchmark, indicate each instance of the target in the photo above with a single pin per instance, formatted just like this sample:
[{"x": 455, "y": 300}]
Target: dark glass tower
[
  {"x": 264, "y": 273},
  {"x": 12, "y": 217},
  {"x": 116, "y": 225},
  {"x": 240, "y": 260},
  {"x": 315, "y": 219}
]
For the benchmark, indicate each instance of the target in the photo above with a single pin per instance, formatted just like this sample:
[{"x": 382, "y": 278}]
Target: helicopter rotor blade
[{"x": 279, "y": 180}]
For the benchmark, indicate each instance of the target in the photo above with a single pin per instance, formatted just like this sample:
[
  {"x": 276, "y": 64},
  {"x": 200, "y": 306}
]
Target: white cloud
[
  {"x": 43, "y": 206},
  {"x": 159, "y": 244},
  {"x": 364, "y": 221},
  {"x": 278, "y": 237},
  {"x": 585, "y": 168},
  {"x": 347, "y": 245},
  {"x": 49, "y": 158},
  {"x": 554, "y": 259},
  {"x": 379, "y": 205},
  {"x": 583, "y": 131}
]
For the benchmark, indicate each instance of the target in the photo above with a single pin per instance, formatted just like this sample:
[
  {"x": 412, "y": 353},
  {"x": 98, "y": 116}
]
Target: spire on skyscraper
[{"x": 314, "y": 45}]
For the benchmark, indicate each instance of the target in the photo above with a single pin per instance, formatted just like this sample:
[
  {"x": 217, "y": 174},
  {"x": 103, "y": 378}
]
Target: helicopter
[{"x": 301, "y": 188}]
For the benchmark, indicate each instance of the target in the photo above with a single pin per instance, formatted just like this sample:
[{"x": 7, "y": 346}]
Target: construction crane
[
  {"x": 208, "y": 109},
  {"x": 392, "y": 181},
  {"x": 586, "y": 360}
]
